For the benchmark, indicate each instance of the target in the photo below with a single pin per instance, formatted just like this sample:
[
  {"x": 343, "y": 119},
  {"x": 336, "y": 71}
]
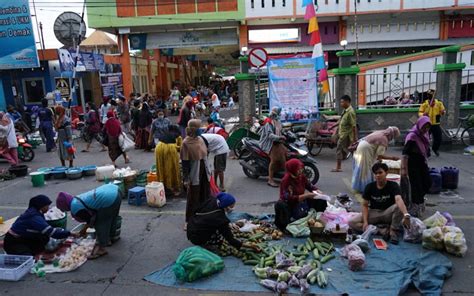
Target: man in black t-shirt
[{"x": 383, "y": 204}]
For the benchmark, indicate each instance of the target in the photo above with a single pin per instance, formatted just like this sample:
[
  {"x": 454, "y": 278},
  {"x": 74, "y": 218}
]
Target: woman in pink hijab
[
  {"x": 8, "y": 143},
  {"x": 370, "y": 149}
]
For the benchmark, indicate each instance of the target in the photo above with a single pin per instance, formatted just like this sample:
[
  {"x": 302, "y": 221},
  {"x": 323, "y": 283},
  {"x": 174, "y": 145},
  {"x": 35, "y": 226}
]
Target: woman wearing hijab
[
  {"x": 209, "y": 226},
  {"x": 185, "y": 115},
  {"x": 46, "y": 118},
  {"x": 98, "y": 208},
  {"x": 113, "y": 131},
  {"x": 415, "y": 164},
  {"x": 167, "y": 159},
  {"x": 63, "y": 127},
  {"x": 196, "y": 172},
  {"x": 144, "y": 126},
  {"x": 369, "y": 150},
  {"x": 93, "y": 126},
  {"x": 271, "y": 142},
  {"x": 8, "y": 142},
  {"x": 294, "y": 201},
  {"x": 30, "y": 233}
]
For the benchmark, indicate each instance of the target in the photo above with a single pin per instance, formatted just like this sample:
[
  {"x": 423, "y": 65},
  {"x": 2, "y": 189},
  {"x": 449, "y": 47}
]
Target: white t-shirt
[{"x": 217, "y": 144}]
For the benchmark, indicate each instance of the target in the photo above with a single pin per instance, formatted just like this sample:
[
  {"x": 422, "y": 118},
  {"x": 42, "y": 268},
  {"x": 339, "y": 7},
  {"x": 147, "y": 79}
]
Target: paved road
[{"x": 152, "y": 238}]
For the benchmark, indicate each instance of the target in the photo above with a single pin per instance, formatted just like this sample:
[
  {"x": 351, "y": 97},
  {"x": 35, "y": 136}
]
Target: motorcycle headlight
[{"x": 301, "y": 151}]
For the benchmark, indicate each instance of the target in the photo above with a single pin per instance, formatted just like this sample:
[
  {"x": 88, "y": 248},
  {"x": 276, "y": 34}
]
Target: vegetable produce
[
  {"x": 294, "y": 282},
  {"x": 327, "y": 258},
  {"x": 304, "y": 286},
  {"x": 321, "y": 279},
  {"x": 284, "y": 276},
  {"x": 282, "y": 287},
  {"x": 269, "y": 284},
  {"x": 303, "y": 272}
]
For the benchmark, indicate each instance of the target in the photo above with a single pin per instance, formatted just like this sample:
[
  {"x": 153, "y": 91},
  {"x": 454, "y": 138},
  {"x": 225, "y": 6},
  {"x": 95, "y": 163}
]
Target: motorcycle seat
[{"x": 254, "y": 145}]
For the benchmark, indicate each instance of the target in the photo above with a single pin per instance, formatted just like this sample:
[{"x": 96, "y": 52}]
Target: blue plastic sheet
[{"x": 386, "y": 273}]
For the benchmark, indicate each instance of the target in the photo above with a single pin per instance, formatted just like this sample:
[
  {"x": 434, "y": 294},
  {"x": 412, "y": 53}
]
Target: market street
[{"x": 153, "y": 238}]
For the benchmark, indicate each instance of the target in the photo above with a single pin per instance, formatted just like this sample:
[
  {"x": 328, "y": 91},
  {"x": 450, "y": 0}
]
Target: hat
[
  {"x": 224, "y": 200},
  {"x": 63, "y": 202},
  {"x": 39, "y": 202}
]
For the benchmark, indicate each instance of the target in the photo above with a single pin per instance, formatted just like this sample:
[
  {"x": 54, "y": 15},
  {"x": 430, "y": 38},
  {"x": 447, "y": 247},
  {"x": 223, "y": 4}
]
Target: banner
[
  {"x": 184, "y": 39},
  {"x": 86, "y": 62},
  {"x": 18, "y": 46},
  {"x": 112, "y": 84},
  {"x": 294, "y": 88}
]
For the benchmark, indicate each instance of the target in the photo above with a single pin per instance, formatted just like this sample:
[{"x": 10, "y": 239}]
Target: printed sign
[
  {"x": 112, "y": 84},
  {"x": 62, "y": 86},
  {"x": 258, "y": 57},
  {"x": 18, "y": 49},
  {"x": 86, "y": 62},
  {"x": 184, "y": 39},
  {"x": 294, "y": 88}
]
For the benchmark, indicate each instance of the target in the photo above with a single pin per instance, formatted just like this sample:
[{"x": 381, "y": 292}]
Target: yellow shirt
[{"x": 434, "y": 113}]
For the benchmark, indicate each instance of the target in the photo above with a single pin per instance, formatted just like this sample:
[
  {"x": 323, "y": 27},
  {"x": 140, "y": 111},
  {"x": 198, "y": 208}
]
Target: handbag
[{"x": 125, "y": 143}]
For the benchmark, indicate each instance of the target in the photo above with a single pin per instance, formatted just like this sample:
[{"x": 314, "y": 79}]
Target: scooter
[
  {"x": 24, "y": 150},
  {"x": 255, "y": 161}
]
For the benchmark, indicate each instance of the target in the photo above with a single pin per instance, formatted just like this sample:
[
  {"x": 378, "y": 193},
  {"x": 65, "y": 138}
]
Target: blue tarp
[{"x": 386, "y": 273}]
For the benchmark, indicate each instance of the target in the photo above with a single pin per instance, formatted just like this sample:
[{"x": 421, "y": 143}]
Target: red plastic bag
[{"x": 213, "y": 186}]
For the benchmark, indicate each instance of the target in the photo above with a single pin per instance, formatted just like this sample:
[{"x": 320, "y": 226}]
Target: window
[
  {"x": 384, "y": 75},
  {"x": 334, "y": 30},
  {"x": 460, "y": 57},
  {"x": 315, "y": 2},
  {"x": 273, "y": 3},
  {"x": 326, "y": 2},
  {"x": 337, "y": 1},
  {"x": 472, "y": 58},
  {"x": 283, "y": 3},
  {"x": 252, "y": 3},
  {"x": 409, "y": 70},
  {"x": 33, "y": 89},
  {"x": 263, "y": 3}
]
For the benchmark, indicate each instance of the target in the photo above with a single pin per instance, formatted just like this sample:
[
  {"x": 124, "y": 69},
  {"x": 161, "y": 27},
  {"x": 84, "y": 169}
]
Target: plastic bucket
[
  {"x": 37, "y": 179},
  {"x": 61, "y": 223},
  {"x": 151, "y": 177}
]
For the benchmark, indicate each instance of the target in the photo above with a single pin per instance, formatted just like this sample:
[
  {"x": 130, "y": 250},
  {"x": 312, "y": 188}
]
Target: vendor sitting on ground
[
  {"x": 294, "y": 203},
  {"x": 383, "y": 204},
  {"x": 209, "y": 225},
  {"x": 30, "y": 233},
  {"x": 99, "y": 208}
]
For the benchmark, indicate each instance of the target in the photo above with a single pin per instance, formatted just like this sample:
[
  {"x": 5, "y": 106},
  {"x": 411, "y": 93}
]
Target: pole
[
  {"x": 356, "y": 32},
  {"x": 40, "y": 30},
  {"x": 73, "y": 84},
  {"x": 258, "y": 92}
]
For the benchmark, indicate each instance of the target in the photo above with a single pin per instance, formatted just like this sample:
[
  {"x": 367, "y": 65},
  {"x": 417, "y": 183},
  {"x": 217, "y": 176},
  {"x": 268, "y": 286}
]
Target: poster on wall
[
  {"x": 86, "y": 62},
  {"x": 62, "y": 86},
  {"x": 112, "y": 84},
  {"x": 294, "y": 88},
  {"x": 18, "y": 48}
]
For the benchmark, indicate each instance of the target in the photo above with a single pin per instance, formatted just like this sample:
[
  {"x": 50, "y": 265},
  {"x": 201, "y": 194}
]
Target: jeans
[
  {"x": 46, "y": 128},
  {"x": 391, "y": 216}
]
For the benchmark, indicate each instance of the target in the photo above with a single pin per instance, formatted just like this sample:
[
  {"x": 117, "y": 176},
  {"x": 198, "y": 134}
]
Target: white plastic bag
[
  {"x": 248, "y": 227},
  {"x": 414, "y": 234},
  {"x": 433, "y": 238},
  {"x": 435, "y": 220},
  {"x": 125, "y": 143},
  {"x": 455, "y": 243},
  {"x": 355, "y": 255},
  {"x": 454, "y": 229}
]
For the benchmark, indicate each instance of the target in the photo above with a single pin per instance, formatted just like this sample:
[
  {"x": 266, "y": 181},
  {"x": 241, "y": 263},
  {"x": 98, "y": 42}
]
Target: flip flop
[
  {"x": 336, "y": 171},
  {"x": 84, "y": 150},
  {"x": 97, "y": 255},
  {"x": 272, "y": 185}
]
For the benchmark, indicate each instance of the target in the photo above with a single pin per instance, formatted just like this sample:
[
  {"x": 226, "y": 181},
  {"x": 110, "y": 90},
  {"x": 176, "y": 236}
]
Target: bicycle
[{"x": 463, "y": 132}]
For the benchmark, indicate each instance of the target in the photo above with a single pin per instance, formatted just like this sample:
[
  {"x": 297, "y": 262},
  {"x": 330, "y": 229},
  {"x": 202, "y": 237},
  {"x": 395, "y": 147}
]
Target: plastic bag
[
  {"x": 363, "y": 244},
  {"x": 455, "y": 243},
  {"x": 453, "y": 229},
  {"x": 213, "y": 187},
  {"x": 333, "y": 216},
  {"x": 449, "y": 218},
  {"x": 195, "y": 262},
  {"x": 414, "y": 234},
  {"x": 248, "y": 227},
  {"x": 300, "y": 227},
  {"x": 433, "y": 238},
  {"x": 355, "y": 255},
  {"x": 435, "y": 220},
  {"x": 371, "y": 230}
]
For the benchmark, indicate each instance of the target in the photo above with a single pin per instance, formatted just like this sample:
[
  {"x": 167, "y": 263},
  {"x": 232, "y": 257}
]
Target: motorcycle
[
  {"x": 25, "y": 150},
  {"x": 255, "y": 161}
]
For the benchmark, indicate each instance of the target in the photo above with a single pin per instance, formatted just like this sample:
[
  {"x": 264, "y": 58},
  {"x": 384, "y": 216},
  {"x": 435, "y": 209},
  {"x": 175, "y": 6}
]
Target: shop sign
[
  {"x": 274, "y": 35},
  {"x": 18, "y": 48},
  {"x": 293, "y": 87},
  {"x": 62, "y": 86},
  {"x": 86, "y": 62},
  {"x": 184, "y": 39},
  {"x": 112, "y": 84}
]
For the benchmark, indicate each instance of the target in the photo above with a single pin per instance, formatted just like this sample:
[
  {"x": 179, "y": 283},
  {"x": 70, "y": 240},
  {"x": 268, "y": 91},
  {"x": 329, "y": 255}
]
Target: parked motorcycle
[
  {"x": 255, "y": 161},
  {"x": 25, "y": 150}
]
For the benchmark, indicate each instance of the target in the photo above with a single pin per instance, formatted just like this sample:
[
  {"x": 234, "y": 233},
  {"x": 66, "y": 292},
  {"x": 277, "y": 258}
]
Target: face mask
[{"x": 161, "y": 116}]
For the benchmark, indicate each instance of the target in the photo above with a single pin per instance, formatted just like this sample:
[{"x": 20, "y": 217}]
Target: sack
[
  {"x": 433, "y": 238},
  {"x": 455, "y": 243},
  {"x": 355, "y": 255},
  {"x": 213, "y": 187},
  {"x": 195, "y": 262},
  {"x": 353, "y": 147},
  {"x": 125, "y": 143},
  {"x": 435, "y": 220},
  {"x": 414, "y": 234},
  {"x": 371, "y": 230}
]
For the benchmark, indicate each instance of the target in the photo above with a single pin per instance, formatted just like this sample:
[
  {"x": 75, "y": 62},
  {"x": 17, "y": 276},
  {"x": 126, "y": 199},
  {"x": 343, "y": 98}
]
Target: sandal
[
  {"x": 272, "y": 184},
  {"x": 336, "y": 170},
  {"x": 97, "y": 255},
  {"x": 84, "y": 150}
]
